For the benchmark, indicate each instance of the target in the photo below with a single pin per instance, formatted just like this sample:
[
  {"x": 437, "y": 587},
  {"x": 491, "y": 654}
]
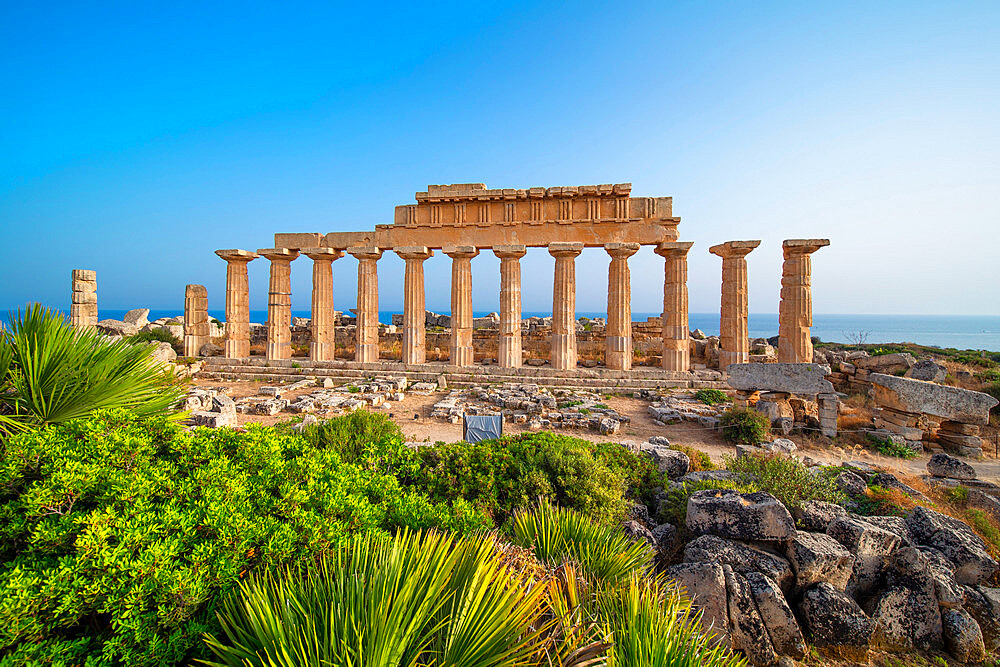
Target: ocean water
[{"x": 975, "y": 332}]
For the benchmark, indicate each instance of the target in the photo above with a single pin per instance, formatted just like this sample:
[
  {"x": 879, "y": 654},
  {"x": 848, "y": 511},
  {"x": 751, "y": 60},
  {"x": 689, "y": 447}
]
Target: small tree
[{"x": 744, "y": 426}]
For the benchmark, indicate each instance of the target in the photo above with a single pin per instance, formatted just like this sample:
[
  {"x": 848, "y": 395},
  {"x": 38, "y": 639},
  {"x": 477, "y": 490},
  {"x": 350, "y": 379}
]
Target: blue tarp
[{"x": 482, "y": 427}]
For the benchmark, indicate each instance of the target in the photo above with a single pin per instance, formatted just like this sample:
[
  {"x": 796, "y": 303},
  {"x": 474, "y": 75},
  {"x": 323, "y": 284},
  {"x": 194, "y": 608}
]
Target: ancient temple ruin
[{"x": 462, "y": 220}]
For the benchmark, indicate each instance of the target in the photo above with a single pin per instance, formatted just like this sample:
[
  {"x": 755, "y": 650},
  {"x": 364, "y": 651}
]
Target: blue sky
[{"x": 135, "y": 139}]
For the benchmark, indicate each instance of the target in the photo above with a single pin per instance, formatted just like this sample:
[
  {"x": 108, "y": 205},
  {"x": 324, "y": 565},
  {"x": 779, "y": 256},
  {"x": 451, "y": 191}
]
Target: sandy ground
[{"x": 413, "y": 416}]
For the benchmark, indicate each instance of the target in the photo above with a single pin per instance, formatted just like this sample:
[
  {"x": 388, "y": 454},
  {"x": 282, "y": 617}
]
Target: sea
[{"x": 963, "y": 332}]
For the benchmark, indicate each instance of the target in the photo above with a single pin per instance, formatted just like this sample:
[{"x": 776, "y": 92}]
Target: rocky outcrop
[
  {"x": 741, "y": 516},
  {"x": 818, "y": 558},
  {"x": 869, "y": 545}
]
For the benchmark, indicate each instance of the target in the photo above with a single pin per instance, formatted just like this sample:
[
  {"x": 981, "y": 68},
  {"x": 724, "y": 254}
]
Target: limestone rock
[
  {"x": 949, "y": 593},
  {"x": 816, "y": 557},
  {"x": 748, "y": 633},
  {"x": 791, "y": 378},
  {"x": 212, "y": 419},
  {"x": 137, "y": 317},
  {"x": 894, "y": 524},
  {"x": 944, "y": 465},
  {"x": 638, "y": 532},
  {"x": 743, "y": 558},
  {"x": 665, "y": 536},
  {"x": 705, "y": 585},
  {"x": 670, "y": 461},
  {"x": 816, "y": 515},
  {"x": 782, "y": 628},
  {"x": 117, "y": 328},
  {"x": 741, "y": 516},
  {"x": 905, "y": 620},
  {"x": 870, "y": 547},
  {"x": 163, "y": 352},
  {"x": 836, "y": 623},
  {"x": 962, "y": 636},
  {"x": 886, "y": 363},
  {"x": 850, "y": 483},
  {"x": 955, "y": 541},
  {"x": 209, "y": 350},
  {"x": 914, "y": 396},
  {"x": 983, "y": 604},
  {"x": 927, "y": 370}
]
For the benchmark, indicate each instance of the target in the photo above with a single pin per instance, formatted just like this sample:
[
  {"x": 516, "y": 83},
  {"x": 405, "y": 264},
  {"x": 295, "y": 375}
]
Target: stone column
[
  {"x": 461, "y": 303},
  {"x": 322, "y": 346},
  {"x": 676, "y": 354},
  {"x": 414, "y": 311},
  {"x": 237, "y": 302},
  {"x": 734, "y": 340},
  {"x": 83, "y": 307},
  {"x": 618, "y": 336},
  {"x": 795, "y": 311},
  {"x": 564, "y": 304},
  {"x": 366, "y": 310},
  {"x": 279, "y": 302},
  {"x": 197, "y": 329},
  {"x": 509, "y": 347}
]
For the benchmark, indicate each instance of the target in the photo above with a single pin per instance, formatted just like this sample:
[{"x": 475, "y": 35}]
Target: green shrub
[
  {"x": 744, "y": 426},
  {"x": 156, "y": 335},
  {"x": 711, "y": 396},
  {"x": 699, "y": 460},
  {"x": 889, "y": 447},
  {"x": 117, "y": 534},
  {"x": 787, "y": 479},
  {"x": 368, "y": 439}
]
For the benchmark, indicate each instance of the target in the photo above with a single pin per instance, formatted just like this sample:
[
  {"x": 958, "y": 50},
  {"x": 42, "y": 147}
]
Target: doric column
[
  {"x": 795, "y": 311},
  {"x": 237, "y": 302},
  {"x": 618, "y": 336},
  {"x": 414, "y": 312},
  {"x": 461, "y": 303},
  {"x": 279, "y": 302},
  {"x": 564, "y": 304},
  {"x": 83, "y": 307},
  {"x": 676, "y": 354},
  {"x": 734, "y": 339},
  {"x": 509, "y": 354},
  {"x": 322, "y": 346},
  {"x": 366, "y": 336},
  {"x": 197, "y": 329}
]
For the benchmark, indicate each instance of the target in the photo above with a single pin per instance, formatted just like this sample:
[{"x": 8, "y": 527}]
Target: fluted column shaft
[
  {"x": 734, "y": 338},
  {"x": 509, "y": 353},
  {"x": 564, "y": 305},
  {"x": 237, "y": 302},
  {"x": 279, "y": 303},
  {"x": 618, "y": 335},
  {"x": 676, "y": 352},
  {"x": 366, "y": 331},
  {"x": 414, "y": 310},
  {"x": 462, "y": 353},
  {"x": 197, "y": 329},
  {"x": 795, "y": 312},
  {"x": 322, "y": 347}
]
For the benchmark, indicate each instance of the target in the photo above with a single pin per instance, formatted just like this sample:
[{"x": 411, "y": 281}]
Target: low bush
[
  {"x": 699, "y": 460},
  {"x": 154, "y": 336},
  {"x": 117, "y": 534},
  {"x": 711, "y": 396},
  {"x": 787, "y": 479},
  {"x": 889, "y": 447},
  {"x": 880, "y": 501},
  {"x": 744, "y": 426}
]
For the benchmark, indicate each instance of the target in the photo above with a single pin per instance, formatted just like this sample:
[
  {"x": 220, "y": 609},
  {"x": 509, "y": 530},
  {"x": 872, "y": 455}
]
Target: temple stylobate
[{"x": 462, "y": 220}]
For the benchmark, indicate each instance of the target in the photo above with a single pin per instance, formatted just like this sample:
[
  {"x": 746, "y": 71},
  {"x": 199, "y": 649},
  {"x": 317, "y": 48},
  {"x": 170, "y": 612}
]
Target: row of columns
[{"x": 795, "y": 311}]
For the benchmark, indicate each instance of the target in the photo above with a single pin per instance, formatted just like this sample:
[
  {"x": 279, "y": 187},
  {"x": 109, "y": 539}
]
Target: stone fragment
[
  {"x": 815, "y": 558},
  {"x": 224, "y": 405},
  {"x": 163, "y": 352},
  {"x": 956, "y": 541},
  {"x": 137, "y": 317},
  {"x": 705, "y": 585},
  {"x": 790, "y": 378},
  {"x": 886, "y": 363},
  {"x": 117, "y": 328},
  {"x": 870, "y": 547},
  {"x": 850, "y": 483},
  {"x": 836, "y": 623},
  {"x": 893, "y": 524},
  {"x": 638, "y": 532},
  {"x": 914, "y": 396},
  {"x": 213, "y": 419},
  {"x": 927, "y": 370},
  {"x": 209, "y": 350},
  {"x": 743, "y": 558},
  {"x": 963, "y": 636},
  {"x": 949, "y": 593},
  {"x": 782, "y": 628},
  {"x": 748, "y": 633},
  {"x": 665, "y": 536},
  {"x": 983, "y": 604},
  {"x": 944, "y": 465},
  {"x": 817, "y": 515},
  {"x": 905, "y": 620},
  {"x": 749, "y": 516},
  {"x": 670, "y": 461}
]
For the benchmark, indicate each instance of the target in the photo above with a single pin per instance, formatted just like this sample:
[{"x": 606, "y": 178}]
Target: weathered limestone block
[
  {"x": 983, "y": 604},
  {"x": 956, "y": 541},
  {"x": 741, "y": 516},
  {"x": 927, "y": 370},
  {"x": 914, "y": 396},
  {"x": 835, "y": 622},
  {"x": 705, "y": 585},
  {"x": 943, "y": 465},
  {"x": 197, "y": 328},
  {"x": 817, "y": 515},
  {"x": 790, "y": 378},
  {"x": 816, "y": 557},
  {"x": 743, "y": 558},
  {"x": 748, "y": 633},
  {"x": 870, "y": 547},
  {"x": 886, "y": 363},
  {"x": 963, "y": 636},
  {"x": 83, "y": 306},
  {"x": 782, "y": 628}
]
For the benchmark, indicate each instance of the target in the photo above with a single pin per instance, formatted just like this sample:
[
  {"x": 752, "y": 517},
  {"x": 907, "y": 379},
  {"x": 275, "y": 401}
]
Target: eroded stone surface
[
  {"x": 791, "y": 378},
  {"x": 749, "y": 516},
  {"x": 914, "y": 396},
  {"x": 743, "y": 558}
]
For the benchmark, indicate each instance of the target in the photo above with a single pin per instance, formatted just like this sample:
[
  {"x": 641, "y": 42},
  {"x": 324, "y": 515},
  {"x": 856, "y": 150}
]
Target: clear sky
[{"x": 137, "y": 138}]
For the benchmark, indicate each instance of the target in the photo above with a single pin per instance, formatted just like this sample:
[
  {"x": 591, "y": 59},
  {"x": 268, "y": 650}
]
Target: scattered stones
[{"x": 741, "y": 516}]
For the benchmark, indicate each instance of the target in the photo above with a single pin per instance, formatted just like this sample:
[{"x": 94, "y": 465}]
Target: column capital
[
  {"x": 791, "y": 247},
  {"x": 236, "y": 255},
  {"x": 321, "y": 254},
  {"x": 509, "y": 251},
  {"x": 623, "y": 250},
  {"x": 460, "y": 251},
  {"x": 673, "y": 249},
  {"x": 365, "y": 252},
  {"x": 731, "y": 249},
  {"x": 564, "y": 249},
  {"x": 418, "y": 252},
  {"x": 278, "y": 254}
]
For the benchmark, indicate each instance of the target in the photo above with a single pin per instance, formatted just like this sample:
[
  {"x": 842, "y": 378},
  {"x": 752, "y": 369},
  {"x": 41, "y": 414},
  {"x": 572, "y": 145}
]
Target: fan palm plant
[{"x": 51, "y": 372}]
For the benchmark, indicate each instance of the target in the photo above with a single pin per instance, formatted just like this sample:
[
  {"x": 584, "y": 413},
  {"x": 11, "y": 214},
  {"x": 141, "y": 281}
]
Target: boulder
[
  {"x": 224, "y": 405},
  {"x": 962, "y": 636},
  {"x": 741, "y": 557},
  {"x": 869, "y": 545},
  {"x": 945, "y": 465},
  {"x": 790, "y": 378},
  {"x": 705, "y": 585},
  {"x": 665, "y": 536},
  {"x": 741, "y": 516},
  {"x": 889, "y": 481},
  {"x": 850, "y": 483},
  {"x": 927, "y": 370},
  {"x": 815, "y": 558},
  {"x": 893, "y": 524},
  {"x": 782, "y": 628},
  {"x": 137, "y": 317},
  {"x": 117, "y": 328},
  {"x": 956, "y": 541},
  {"x": 779, "y": 446},
  {"x": 983, "y": 604},
  {"x": 938, "y": 400},
  {"x": 670, "y": 461},
  {"x": 886, "y": 363},
  {"x": 816, "y": 515},
  {"x": 949, "y": 593},
  {"x": 905, "y": 620},
  {"x": 212, "y": 419},
  {"x": 163, "y": 352},
  {"x": 747, "y": 631},
  {"x": 836, "y": 623},
  {"x": 638, "y": 533},
  {"x": 210, "y": 350}
]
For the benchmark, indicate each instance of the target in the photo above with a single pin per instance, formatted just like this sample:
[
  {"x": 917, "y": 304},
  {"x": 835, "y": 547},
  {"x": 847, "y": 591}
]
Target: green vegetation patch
[
  {"x": 711, "y": 396},
  {"x": 889, "y": 447},
  {"x": 787, "y": 479},
  {"x": 744, "y": 426}
]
